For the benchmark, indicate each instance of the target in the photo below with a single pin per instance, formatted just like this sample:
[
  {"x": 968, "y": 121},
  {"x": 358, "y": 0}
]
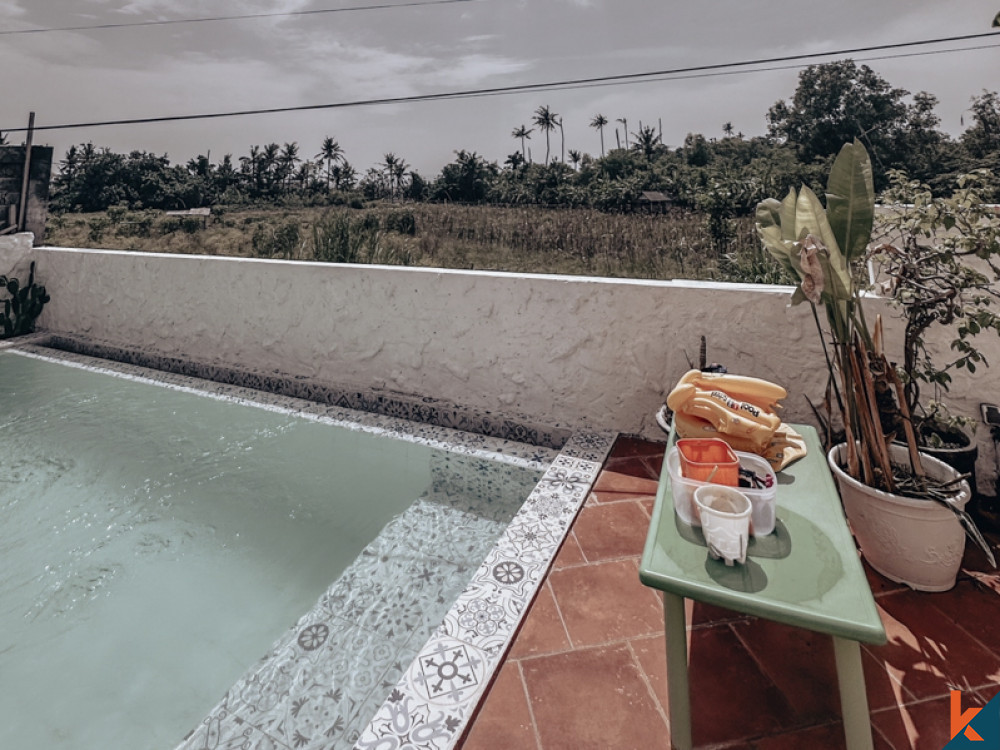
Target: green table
[{"x": 807, "y": 573}]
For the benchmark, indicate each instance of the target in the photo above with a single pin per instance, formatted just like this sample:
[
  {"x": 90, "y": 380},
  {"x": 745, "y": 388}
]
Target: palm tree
[
  {"x": 562, "y": 141},
  {"x": 251, "y": 164},
  {"x": 394, "y": 169},
  {"x": 646, "y": 141},
  {"x": 287, "y": 160},
  {"x": 546, "y": 120},
  {"x": 523, "y": 132},
  {"x": 269, "y": 163},
  {"x": 598, "y": 122},
  {"x": 330, "y": 152},
  {"x": 398, "y": 173},
  {"x": 728, "y": 129},
  {"x": 575, "y": 158},
  {"x": 515, "y": 160},
  {"x": 624, "y": 122}
]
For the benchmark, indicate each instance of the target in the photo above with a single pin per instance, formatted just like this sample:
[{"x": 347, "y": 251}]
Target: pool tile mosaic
[
  {"x": 515, "y": 427},
  {"x": 296, "y": 696}
]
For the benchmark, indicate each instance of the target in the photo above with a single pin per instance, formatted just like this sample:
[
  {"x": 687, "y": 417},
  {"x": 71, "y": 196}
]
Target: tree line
[{"x": 832, "y": 104}]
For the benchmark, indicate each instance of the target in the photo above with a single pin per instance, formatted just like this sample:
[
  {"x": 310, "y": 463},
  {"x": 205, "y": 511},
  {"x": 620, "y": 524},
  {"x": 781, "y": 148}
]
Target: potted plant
[
  {"x": 906, "y": 509},
  {"x": 932, "y": 262},
  {"x": 23, "y": 305}
]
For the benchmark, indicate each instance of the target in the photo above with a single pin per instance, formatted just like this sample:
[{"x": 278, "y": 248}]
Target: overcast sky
[{"x": 165, "y": 70}]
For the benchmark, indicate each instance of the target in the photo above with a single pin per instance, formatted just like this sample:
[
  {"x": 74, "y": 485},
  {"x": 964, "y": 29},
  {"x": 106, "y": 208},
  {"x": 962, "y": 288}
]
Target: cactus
[{"x": 23, "y": 306}]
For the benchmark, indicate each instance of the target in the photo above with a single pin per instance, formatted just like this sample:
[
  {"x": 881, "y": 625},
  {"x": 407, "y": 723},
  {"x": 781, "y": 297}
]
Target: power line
[
  {"x": 241, "y": 17},
  {"x": 676, "y": 73}
]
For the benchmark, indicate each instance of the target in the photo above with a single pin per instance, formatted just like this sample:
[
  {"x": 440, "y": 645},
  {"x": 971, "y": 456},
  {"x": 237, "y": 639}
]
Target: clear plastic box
[{"x": 762, "y": 517}]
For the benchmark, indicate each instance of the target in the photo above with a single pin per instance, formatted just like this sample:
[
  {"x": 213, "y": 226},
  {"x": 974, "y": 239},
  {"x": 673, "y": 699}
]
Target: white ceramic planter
[{"x": 915, "y": 542}]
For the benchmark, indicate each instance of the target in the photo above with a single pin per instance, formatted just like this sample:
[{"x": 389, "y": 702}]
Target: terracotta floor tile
[
  {"x": 927, "y": 650},
  {"x": 651, "y": 653},
  {"x": 976, "y": 609},
  {"x": 632, "y": 465},
  {"x": 731, "y": 698},
  {"x": 504, "y": 721},
  {"x": 542, "y": 631},
  {"x": 648, "y": 504},
  {"x": 630, "y": 446},
  {"x": 611, "y": 531},
  {"x": 613, "y": 481},
  {"x": 605, "y": 602},
  {"x": 918, "y": 726},
  {"x": 700, "y": 614},
  {"x": 800, "y": 662},
  {"x": 827, "y": 737},
  {"x": 603, "y": 498},
  {"x": 569, "y": 554},
  {"x": 879, "y": 583},
  {"x": 655, "y": 464},
  {"x": 593, "y": 699}
]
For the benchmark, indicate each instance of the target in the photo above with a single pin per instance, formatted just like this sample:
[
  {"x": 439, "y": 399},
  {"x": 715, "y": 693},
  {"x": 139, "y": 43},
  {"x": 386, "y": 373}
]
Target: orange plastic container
[{"x": 709, "y": 460}]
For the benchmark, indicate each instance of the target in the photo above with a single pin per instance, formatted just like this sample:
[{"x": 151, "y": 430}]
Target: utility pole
[{"x": 22, "y": 213}]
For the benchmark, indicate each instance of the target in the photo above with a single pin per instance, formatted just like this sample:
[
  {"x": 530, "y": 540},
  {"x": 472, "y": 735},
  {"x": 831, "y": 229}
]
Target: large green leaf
[
  {"x": 850, "y": 199},
  {"x": 769, "y": 230},
  {"x": 811, "y": 219}
]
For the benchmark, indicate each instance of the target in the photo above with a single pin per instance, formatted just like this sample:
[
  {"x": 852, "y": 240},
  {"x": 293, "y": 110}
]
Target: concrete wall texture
[{"x": 581, "y": 351}]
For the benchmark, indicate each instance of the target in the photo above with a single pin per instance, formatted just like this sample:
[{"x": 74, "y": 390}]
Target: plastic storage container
[
  {"x": 762, "y": 517},
  {"x": 709, "y": 460}
]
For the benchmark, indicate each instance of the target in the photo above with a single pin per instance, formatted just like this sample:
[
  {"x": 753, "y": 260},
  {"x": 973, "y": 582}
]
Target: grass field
[{"x": 522, "y": 239}]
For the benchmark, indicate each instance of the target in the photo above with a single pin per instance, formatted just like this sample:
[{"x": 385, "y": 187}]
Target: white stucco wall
[{"x": 573, "y": 350}]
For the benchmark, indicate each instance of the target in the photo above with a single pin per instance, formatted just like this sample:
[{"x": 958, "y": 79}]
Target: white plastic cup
[{"x": 725, "y": 521}]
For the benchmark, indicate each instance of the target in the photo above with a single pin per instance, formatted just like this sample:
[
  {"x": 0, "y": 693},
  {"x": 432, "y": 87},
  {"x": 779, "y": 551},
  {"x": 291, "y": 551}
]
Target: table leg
[
  {"x": 678, "y": 692},
  {"x": 853, "y": 696}
]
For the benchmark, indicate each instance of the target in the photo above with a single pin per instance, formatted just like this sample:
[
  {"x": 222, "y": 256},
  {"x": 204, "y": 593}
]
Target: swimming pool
[{"x": 268, "y": 550}]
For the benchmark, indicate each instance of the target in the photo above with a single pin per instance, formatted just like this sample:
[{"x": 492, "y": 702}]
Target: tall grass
[{"x": 523, "y": 239}]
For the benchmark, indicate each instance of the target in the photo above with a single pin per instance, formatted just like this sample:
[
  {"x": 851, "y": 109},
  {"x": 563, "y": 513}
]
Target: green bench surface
[{"x": 807, "y": 573}]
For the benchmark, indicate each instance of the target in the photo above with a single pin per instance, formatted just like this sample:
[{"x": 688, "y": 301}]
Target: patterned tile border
[
  {"x": 444, "y": 438},
  {"x": 520, "y": 428},
  {"x": 434, "y": 697},
  {"x": 434, "y": 700}
]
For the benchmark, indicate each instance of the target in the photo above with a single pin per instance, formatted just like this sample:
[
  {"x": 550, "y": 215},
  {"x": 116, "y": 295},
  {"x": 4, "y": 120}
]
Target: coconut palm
[
  {"x": 523, "y": 132},
  {"x": 287, "y": 160},
  {"x": 727, "y": 129},
  {"x": 562, "y": 141},
  {"x": 646, "y": 141},
  {"x": 546, "y": 120},
  {"x": 330, "y": 152},
  {"x": 575, "y": 157},
  {"x": 624, "y": 122},
  {"x": 515, "y": 160},
  {"x": 598, "y": 122}
]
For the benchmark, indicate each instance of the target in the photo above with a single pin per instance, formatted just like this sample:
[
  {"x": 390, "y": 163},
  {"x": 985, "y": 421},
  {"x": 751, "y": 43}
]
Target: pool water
[{"x": 157, "y": 543}]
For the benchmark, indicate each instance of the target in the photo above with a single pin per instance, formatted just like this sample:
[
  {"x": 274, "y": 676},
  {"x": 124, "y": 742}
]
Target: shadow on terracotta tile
[
  {"x": 625, "y": 447},
  {"x": 631, "y": 466},
  {"x": 613, "y": 481},
  {"x": 593, "y": 699},
  {"x": 917, "y": 726},
  {"x": 731, "y": 698},
  {"x": 827, "y": 737},
  {"x": 928, "y": 652},
  {"x": 604, "y": 602},
  {"x": 976, "y": 608},
  {"x": 607, "y": 532},
  {"x": 504, "y": 720}
]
